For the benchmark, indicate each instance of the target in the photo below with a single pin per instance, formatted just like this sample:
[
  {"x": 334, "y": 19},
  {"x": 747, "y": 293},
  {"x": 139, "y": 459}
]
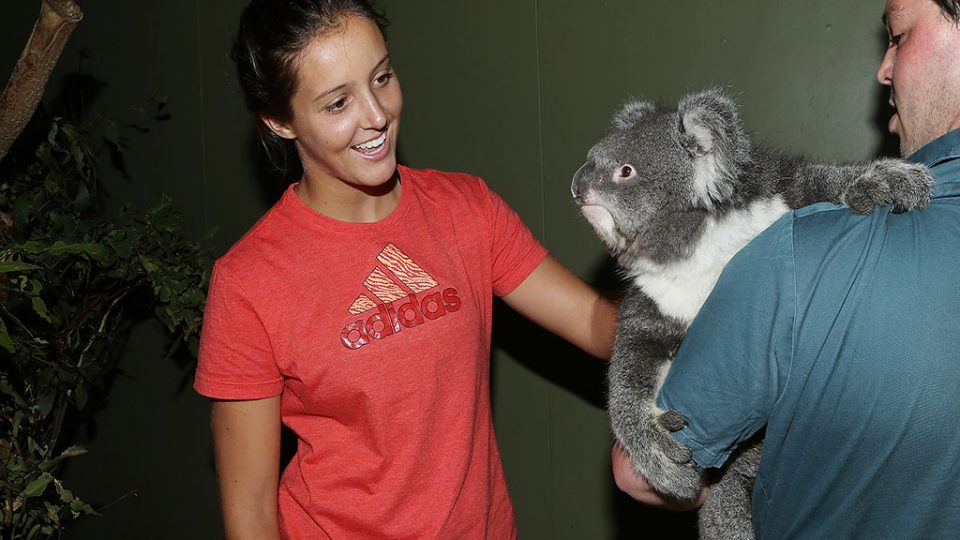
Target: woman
[{"x": 357, "y": 311}]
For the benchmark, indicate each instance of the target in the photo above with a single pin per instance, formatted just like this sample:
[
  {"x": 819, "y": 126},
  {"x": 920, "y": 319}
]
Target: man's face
[{"x": 922, "y": 69}]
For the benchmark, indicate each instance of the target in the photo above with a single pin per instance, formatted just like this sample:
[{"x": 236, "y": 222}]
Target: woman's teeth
[{"x": 372, "y": 145}]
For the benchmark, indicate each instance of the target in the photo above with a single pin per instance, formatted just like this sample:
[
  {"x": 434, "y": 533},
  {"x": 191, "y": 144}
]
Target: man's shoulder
[{"x": 819, "y": 221}]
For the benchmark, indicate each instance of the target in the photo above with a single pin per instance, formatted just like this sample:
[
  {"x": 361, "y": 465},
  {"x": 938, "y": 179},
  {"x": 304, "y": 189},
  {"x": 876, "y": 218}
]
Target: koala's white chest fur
[{"x": 680, "y": 288}]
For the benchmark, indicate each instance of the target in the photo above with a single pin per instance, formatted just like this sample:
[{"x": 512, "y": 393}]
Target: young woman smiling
[{"x": 357, "y": 311}]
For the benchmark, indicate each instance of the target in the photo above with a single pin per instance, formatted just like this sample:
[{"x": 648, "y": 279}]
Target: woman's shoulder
[
  {"x": 268, "y": 239},
  {"x": 433, "y": 181}
]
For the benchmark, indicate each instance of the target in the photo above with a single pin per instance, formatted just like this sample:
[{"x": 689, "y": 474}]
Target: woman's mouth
[{"x": 372, "y": 148}]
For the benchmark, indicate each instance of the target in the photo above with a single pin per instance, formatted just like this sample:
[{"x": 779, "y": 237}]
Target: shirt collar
[{"x": 944, "y": 148}]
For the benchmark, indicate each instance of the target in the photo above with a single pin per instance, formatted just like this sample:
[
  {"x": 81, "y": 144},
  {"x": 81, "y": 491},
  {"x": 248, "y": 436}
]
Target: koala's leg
[
  {"x": 645, "y": 343},
  {"x": 903, "y": 184},
  {"x": 726, "y": 512}
]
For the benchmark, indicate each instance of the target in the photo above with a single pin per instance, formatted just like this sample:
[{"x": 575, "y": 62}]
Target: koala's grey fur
[{"x": 674, "y": 194}]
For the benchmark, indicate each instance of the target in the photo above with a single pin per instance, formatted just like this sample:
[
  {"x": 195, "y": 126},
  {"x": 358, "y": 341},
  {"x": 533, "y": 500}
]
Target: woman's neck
[{"x": 349, "y": 202}]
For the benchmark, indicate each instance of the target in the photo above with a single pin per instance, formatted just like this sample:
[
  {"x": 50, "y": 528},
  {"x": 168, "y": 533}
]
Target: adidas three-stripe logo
[{"x": 398, "y": 294}]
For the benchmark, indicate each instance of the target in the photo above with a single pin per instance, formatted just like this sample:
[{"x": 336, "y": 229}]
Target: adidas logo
[{"x": 403, "y": 300}]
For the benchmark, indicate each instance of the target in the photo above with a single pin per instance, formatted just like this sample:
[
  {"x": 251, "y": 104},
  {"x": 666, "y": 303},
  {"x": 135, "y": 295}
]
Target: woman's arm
[
  {"x": 246, "y": 444},
  {"x": 558, "y": 300}
]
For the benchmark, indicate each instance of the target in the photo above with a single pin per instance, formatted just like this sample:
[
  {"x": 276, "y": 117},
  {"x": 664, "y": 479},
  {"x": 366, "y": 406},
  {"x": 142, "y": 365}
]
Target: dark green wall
[{"x": 515, "y": 91}]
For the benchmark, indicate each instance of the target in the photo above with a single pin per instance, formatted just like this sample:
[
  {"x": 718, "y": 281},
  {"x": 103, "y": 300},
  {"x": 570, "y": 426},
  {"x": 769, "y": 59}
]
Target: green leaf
[
  {"x": 52, "y": 134},
  {"x": 38, "y": 486},
  {"x": 77, "y": 507},
  {"x": 32, "y": 247},
  {"x": 53, "y": 463},
  {"x": 148, "y": 265},
  {"x": 60, "y": 247},
  {"x": 73, "y": 451},
  {"x": 40, "y": 308},
  {"x": 81, "y": 397},
  {"x": 17, "y": 420},
  {"x": 8, "y": 390},
  {"x": 82, "y": 201},
  {"x": 5, "y": 340},
  {"x": 16, "y": 266},
  {"x": 46, "y": 404}
]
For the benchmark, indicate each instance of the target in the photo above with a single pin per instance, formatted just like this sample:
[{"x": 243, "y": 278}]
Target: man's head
[{"x": 922, "y": 69}]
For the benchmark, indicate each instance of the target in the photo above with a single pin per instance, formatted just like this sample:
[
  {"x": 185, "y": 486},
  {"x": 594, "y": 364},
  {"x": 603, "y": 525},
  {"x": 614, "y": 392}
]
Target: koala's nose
[{"x": 580, "y": 180}]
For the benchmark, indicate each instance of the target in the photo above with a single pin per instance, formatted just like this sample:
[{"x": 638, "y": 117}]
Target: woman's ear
[{"x": 280, "y": 129}]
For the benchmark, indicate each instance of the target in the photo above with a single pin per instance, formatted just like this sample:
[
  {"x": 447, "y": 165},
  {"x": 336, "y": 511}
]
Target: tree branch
[{"x": 19, "y": 100}]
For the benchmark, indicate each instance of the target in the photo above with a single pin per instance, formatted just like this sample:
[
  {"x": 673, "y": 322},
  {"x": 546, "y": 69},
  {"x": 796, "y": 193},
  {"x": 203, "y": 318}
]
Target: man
[{"x": 840, "y": 335}]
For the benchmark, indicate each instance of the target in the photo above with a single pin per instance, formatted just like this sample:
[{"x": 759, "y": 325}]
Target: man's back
[{"x": 841, "y": 333}]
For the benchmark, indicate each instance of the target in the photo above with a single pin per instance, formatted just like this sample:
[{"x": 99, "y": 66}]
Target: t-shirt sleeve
[
  {"x": 236, "y": 360},
  {"x": 735, "y": 358},
  {"x": 514, "y": 250}
]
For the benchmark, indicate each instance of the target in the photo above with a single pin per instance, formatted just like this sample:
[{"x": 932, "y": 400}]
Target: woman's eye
[
  {"x": 383, "y": 79},
  {"x": 337, "y": 105}
]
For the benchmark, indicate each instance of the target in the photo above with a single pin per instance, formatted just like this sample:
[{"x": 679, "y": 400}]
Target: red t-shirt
[{"x": 377, "y": 335}]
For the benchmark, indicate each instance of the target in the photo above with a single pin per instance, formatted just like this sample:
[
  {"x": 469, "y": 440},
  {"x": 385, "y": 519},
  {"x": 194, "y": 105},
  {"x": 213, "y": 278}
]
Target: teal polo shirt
[{"x": 840, "y": 334}]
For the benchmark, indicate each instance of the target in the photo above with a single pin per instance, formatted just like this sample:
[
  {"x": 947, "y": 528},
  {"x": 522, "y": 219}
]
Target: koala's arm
[
  {"x": 903, "y": 184},
  {"x": 644, "y": 345}
]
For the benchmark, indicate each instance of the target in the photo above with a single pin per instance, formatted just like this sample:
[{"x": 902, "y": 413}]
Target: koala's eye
[{"x": 625, "y": 172}]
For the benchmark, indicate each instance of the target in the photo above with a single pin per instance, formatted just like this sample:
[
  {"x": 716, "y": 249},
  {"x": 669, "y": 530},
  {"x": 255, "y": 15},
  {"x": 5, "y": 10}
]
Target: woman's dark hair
[{"x": 267, "y": 50}]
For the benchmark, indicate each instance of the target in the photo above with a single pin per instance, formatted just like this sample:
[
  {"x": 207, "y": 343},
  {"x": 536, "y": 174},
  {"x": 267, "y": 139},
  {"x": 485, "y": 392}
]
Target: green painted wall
[{"x": 515, "y": 91}]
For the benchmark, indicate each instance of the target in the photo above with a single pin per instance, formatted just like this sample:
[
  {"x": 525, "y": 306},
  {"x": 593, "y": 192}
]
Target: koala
[{"x": 674, "y": 194}]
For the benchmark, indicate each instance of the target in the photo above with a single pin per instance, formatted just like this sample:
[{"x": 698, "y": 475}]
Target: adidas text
[{"x": 392, "y": 318}]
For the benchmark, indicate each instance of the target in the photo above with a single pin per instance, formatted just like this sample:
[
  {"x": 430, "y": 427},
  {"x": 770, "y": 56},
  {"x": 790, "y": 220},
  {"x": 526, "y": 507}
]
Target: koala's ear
[
  {"x": 712, "y": 134},
  {"x": 708, "y": 122},
  {"x": 631, "y": 113}
]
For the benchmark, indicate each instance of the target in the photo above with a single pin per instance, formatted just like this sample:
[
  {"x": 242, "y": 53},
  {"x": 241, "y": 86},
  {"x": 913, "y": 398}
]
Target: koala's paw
[
  {"x": 907, "y": 186},
  {"x": 665, "y": 463},
  {"x": 672, "y": 421}
]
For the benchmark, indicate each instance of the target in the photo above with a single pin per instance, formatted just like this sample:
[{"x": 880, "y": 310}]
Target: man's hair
[{"x": 950, "y": 9}]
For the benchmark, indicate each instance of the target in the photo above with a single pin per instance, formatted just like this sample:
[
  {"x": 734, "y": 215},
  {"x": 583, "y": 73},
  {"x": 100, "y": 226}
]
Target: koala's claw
[
  {"x": 672, "y": 421},
  {"x": 677, "y": 452},
  {"x": 673, "y": 450},
  {"x": 656, "y": 437},
  {"x": 907, "y": 186}
]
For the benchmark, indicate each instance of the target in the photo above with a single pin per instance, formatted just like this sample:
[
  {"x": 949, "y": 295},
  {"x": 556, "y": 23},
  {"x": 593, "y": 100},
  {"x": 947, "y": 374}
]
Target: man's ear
[{"x": 280, "y": 129}]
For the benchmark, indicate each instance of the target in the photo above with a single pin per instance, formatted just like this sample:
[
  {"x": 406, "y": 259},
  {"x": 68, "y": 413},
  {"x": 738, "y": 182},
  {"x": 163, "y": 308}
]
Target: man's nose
[{"x": 885, "y": 71}]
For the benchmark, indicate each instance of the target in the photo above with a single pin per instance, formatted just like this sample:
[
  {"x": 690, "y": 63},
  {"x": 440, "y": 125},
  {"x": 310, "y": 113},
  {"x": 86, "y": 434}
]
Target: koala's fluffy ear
[
  {"x": 631, "y": 113},
  {"x": 706, "y": 121},
  {"x": 711, "y": 132}
]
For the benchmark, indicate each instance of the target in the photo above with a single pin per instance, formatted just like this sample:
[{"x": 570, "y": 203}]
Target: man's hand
[{"x": 635, "y": 485}]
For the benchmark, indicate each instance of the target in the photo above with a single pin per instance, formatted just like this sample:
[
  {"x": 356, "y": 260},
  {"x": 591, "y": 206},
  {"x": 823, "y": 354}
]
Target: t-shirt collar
[{"x": 944, "y": 148}]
